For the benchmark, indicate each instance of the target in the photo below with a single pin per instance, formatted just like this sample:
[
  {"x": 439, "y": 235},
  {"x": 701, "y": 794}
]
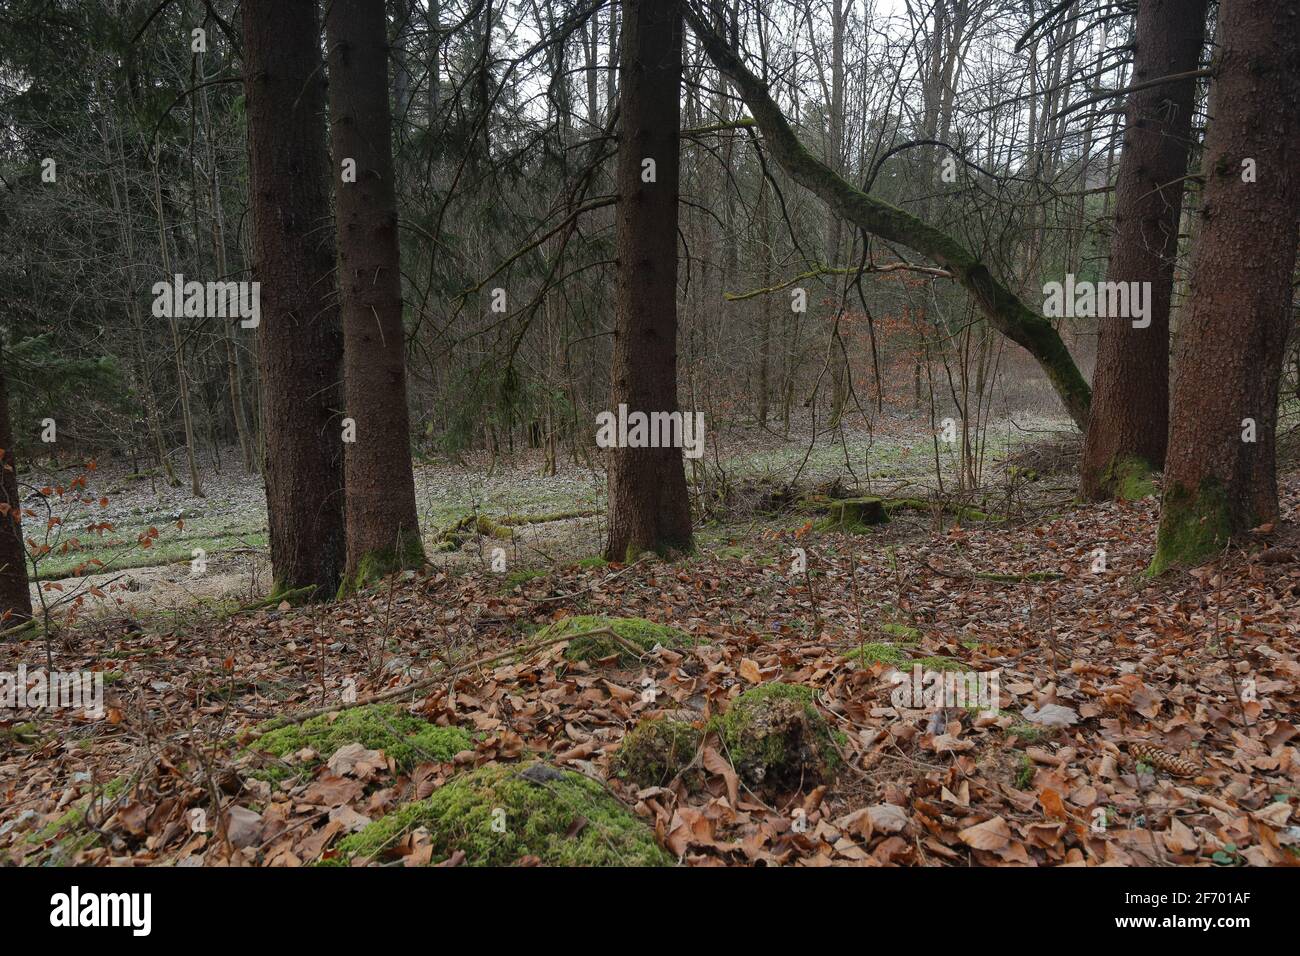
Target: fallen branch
[{"x": 999, "y": 576}]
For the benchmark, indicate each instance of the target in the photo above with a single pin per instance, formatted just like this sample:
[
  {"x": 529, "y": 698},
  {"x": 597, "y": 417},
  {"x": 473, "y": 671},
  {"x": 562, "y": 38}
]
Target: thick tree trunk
[
  {"x": 1004, "y": 310},
  {"x": 15, "y": 595},
  {"x": 649, "y": 508},
  {"x": 300, "y": 342},
  {"x": 1128, "y": 421},
  {"x": 1220, "y": 478},
  {"x": 382, "y": 531}
]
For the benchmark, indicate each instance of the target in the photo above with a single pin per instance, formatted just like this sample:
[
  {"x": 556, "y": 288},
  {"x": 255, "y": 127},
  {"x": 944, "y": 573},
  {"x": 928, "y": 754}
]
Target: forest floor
[{"x": 1093, "y": 659}]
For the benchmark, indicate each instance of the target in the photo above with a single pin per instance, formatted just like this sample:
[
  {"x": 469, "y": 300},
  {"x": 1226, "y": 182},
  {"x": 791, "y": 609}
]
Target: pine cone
[{"x": 1163, "y": 760}]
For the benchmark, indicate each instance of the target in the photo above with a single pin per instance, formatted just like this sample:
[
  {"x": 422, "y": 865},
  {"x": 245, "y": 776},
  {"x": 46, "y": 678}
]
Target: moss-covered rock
[
  {"x": 635, "y": 631},
  {"x": 406, "y": 739},
  {"x": 655, "y": 751},
  {"x": 853, "y": 515},
  {"x": 776, "y": 739},
  {"x": 500, "y": 813}
]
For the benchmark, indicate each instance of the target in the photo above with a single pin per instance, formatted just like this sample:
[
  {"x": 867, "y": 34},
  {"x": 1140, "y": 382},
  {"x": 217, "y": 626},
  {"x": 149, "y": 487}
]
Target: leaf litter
[{"x": 1140, "y": 722}]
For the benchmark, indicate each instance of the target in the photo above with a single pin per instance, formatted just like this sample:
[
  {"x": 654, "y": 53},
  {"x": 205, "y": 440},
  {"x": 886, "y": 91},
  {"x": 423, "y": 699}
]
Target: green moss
[
  {"x": 655, "y": 751},
  {"x": 635, "y": 630},
  {"x": 376, "y": 565},
  {"x": 295, "y": 596},
  {"x": 879, "y": 653},
  {"x": 594, "y": 561},
  {"x": 962, "y": 512},
  {"x": 515, "y": 578},
  {"x": 466, "y": 527},
  {"x": 407, "y": 739},
  {"x": 905, "y": 633},
  {"x": 1194, "y": 526},
  {"x": 500, "y": 813},
  {"x": 1128, "y": 478},
  {"x": 1024, "y": 774},
  {"x": 853, "y": 515},
  {"x": 69, "y": 831},
  {"x": 776, "y": 738},
  {"x": 1027, "y": 732},
  {"x": 24, "y": 733}
]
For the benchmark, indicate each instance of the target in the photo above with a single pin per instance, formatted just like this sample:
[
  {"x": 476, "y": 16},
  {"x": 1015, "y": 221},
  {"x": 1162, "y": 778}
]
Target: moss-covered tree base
[
  {"x": 1127, "y": 479},
  {"x": 634, "y": 631},
  {"x": 1194, "y": 526},
  {"x": 406, "y": 739},
  {"x": 655, "y": 751},
  {"x": 374, "y": 566},
  {"x": 777, "y": 740},
  {"x": 499, "y": 814}
]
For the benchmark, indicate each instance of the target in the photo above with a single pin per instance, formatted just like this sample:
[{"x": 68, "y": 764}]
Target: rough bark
[
  {"x": 1004, "y": 310},
  {"x": 1128, "y": 421},
  {"x": 300, "y": 341},
  {"x": 649, "y": 508},
  {"x": 15, "y": 595},
  {"x": 1232, "y": 333},
  {"x": 382, "y": 530}
]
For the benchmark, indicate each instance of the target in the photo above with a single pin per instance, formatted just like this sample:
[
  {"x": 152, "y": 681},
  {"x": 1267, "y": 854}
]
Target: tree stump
[{"x": 854, "y": 515}]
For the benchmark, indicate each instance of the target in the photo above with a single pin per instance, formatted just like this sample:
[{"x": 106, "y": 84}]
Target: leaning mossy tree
[
  {"x": 1003, "y": 309},
  {"x": 500, "y": 814}
]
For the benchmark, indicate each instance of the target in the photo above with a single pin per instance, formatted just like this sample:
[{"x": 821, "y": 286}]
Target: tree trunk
[
  {"x": 1232, "y": 333},
  {"x": 1128, "y": 421},
  {"x": 834, "y": 225},
  {"x": 178, "y": 349},
  {"x": 300, "y": 341},
  {"x": 15, "y": 595},
  {"x": 382, "y": 531},
  {"x": 1004, "y": 310},
  {"x": 649, "y": 508}
]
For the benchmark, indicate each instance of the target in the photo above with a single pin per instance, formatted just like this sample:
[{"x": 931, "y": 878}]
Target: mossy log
[{"x": 854, "y": 515}]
